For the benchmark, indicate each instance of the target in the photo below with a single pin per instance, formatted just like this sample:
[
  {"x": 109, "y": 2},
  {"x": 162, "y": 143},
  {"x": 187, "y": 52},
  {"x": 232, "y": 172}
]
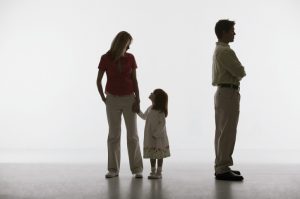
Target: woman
[{"x": 122, "y": 93}]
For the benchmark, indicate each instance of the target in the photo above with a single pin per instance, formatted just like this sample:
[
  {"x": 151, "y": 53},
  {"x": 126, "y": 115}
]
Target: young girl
[{"x": 156, "y": 144}]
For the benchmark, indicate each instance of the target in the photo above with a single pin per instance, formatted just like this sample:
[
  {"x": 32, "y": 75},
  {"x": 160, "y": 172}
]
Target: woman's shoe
[
  {"x": 111, "y": 174},
  {"x": 138, "y": 175}
]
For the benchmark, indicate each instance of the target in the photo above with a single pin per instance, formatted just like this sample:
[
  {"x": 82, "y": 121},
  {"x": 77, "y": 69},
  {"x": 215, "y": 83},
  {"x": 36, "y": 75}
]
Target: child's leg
[
  {"x": 153, "y": 162},
  {"x": 160, "y": 162},
  {"x": 159, "y": 166}
]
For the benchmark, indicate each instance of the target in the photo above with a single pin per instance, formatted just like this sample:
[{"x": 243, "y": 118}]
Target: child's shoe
[
  {"x": 157, "y": 175},
  {"x": 152, "y": 174}
]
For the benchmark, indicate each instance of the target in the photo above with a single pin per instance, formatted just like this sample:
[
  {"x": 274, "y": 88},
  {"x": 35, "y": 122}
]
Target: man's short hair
[{"x": 223, "y": 25}]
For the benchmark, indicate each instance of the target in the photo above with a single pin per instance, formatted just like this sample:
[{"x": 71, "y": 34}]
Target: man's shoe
[
  {"x": 111, "y": 174},
  {"x": 235, "y": 172},
  {"x": 138, "y": 175},
  {"x": 229, "y": 176}
]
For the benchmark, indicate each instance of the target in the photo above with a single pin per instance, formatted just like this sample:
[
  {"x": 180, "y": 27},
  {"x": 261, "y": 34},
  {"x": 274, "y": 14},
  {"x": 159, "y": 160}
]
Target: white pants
[
  {"x": 227, "y": 109},
  {"x": 116, "y": 106}
]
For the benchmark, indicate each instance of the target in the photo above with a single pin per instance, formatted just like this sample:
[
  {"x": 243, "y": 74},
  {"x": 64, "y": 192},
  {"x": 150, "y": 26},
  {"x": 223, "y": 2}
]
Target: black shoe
[
  {"x": 235, "y": 172},
  {"x": 229, "y": 176}
]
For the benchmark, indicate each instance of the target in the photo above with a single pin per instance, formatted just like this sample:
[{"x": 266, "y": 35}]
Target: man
[{"x": 227, "y": 73}]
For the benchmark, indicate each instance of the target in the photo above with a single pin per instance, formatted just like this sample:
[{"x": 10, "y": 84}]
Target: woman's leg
[
  {"x": 113, "y": 141},
  {"x": 133, "y": 146}
]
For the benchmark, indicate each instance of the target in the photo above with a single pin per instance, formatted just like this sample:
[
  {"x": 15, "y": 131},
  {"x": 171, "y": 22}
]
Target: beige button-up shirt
[{"x": 226, "y": 68}]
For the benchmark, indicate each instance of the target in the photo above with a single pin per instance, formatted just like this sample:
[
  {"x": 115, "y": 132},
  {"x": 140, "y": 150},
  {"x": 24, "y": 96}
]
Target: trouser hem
[{"x": 137, "y": 170}]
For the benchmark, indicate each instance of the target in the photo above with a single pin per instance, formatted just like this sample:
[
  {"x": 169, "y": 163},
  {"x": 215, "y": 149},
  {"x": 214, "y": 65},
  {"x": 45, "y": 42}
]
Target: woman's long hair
[
  {"x": 119, "y": 44},
  {"x": 160, "y": 101}
]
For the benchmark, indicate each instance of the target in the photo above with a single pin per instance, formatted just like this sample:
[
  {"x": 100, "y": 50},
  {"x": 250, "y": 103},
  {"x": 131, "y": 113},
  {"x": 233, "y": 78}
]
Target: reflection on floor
[{"x": 184, "y": 181}]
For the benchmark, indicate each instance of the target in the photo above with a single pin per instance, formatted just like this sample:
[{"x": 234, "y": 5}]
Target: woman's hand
[
  {"x": 136, "y": 106},
  {"x": 103, "y": 99},
  {"x": 99, "y": 85}
]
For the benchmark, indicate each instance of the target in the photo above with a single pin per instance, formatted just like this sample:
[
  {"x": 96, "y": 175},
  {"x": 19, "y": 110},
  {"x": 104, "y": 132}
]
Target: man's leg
[{"x": 226, "y": 115}]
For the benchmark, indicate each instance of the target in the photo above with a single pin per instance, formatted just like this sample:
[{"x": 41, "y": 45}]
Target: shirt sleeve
[
  {"x": 103, "y": 63},
  {"x": 231, "y": 63},
  {"x": 145, "y": 114},
  {"x": 133, "y": 65},
  {"x": 159, "y": 126}
]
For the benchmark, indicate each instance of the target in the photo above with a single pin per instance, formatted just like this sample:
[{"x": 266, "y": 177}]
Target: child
[{"x": 156, "y": 144}]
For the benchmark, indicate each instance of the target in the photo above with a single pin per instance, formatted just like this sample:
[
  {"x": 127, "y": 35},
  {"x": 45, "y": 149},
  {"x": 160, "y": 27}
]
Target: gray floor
[{"x": 184, "y": 181}]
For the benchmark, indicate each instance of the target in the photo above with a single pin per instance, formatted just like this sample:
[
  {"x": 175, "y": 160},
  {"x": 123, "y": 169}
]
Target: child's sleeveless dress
[{"x": 156, "y": 143}]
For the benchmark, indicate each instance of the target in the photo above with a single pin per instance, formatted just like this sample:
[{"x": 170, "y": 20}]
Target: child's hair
[{"x": 160, "y": 101}]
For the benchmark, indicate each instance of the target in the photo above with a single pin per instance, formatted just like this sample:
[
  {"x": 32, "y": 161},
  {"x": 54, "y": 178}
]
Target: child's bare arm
[{"x": 145, "y": 114}]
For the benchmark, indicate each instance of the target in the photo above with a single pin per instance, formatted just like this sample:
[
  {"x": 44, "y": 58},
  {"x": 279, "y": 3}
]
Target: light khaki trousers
[
  {"x": 116, "y": 106},
  {"x": 227, "y": 109}
]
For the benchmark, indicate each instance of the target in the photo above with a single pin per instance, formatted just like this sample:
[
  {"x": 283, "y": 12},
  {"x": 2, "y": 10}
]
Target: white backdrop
[{"x": 49, "y": 52}]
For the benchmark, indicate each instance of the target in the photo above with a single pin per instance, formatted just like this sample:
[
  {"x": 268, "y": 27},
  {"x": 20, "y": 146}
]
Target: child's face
[{"x": 152, "y": 96}]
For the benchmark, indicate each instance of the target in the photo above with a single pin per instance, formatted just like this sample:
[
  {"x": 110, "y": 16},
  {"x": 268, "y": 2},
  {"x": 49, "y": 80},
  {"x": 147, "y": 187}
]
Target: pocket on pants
[
  {"x": 226, "y": 93},
  {"x": 109, "y": 99}
]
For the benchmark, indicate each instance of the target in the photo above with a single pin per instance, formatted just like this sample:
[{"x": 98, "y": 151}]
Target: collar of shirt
[{"x": 222, "y": 44}]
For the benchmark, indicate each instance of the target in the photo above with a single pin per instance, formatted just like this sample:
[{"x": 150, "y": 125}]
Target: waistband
[
  {"x": 130, "y": 95},
  {"x": 229, "y": 86}
]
